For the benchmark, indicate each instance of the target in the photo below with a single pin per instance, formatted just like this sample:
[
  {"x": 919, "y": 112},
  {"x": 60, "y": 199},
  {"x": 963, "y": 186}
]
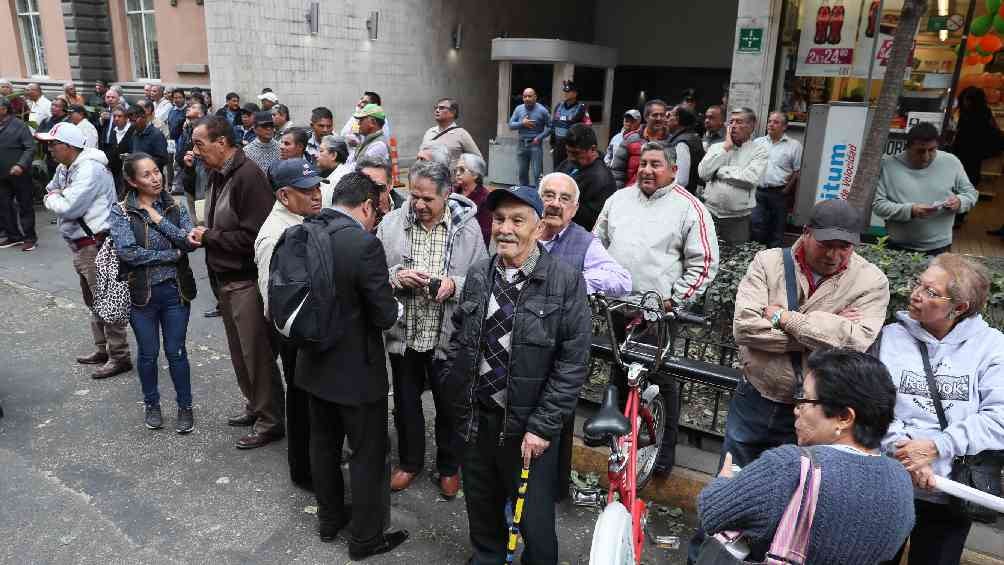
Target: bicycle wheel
[
  {"x": 612, "y": 537},
  {"x": 648, "y": 446}
]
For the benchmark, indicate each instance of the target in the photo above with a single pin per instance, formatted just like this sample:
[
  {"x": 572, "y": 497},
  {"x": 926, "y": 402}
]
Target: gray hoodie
[
  {"x": 85, "y": 190},
  {"x": 968, "y": 365},
  {"x": 465, "y": 246}
]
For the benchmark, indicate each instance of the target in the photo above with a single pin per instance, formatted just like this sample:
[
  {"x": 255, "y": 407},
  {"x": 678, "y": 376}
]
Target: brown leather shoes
[
  {"x": 112, "y": 368},
  {"x": 401, "y": 479},
  {"x": 255, "y": 440},
  {"x": 96, "y": 358},
  {"x": 449, "y": 486}
]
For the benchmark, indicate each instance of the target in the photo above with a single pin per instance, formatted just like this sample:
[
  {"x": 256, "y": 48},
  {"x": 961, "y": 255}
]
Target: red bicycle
[{"x": 634, "y": 437}]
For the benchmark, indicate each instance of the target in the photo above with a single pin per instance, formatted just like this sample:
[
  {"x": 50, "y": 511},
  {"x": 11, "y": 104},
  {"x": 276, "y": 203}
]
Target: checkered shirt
[
  {"x": 496, "y": 338},
  {"x": 423, "y": 315},
  {"x": 263, "y": 154}
]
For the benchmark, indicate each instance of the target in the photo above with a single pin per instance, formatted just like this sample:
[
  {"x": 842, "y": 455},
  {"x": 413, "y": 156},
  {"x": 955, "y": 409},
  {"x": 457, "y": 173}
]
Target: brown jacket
[
  {"x": 240, "y": 198},
  {"x": 764, "y": 350}
]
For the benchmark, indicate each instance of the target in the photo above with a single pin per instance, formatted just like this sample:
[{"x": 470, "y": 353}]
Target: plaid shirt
[
  {"x": 423, "y": 315},
  {"x": 496, "y": 338}
]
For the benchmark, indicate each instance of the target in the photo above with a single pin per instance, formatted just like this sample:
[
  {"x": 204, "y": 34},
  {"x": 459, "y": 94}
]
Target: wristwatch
[{"x": 775, "y": 320}]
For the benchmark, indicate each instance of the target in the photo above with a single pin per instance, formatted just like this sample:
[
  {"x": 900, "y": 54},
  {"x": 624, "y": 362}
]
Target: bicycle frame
[{"x": 622, "y": 472}]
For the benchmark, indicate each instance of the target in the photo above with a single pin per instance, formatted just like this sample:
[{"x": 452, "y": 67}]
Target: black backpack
[{"x": 302, "y": 298}]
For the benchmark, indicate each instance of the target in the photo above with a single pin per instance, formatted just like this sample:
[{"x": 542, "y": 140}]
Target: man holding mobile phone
[{"x": 919, "y": 193}]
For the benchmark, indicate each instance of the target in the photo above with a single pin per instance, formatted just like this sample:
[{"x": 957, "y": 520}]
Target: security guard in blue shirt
[{"x": 566, "y": 114}]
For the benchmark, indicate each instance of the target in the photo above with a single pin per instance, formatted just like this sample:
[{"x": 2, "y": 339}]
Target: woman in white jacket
[{"x": 967, "y": 358}]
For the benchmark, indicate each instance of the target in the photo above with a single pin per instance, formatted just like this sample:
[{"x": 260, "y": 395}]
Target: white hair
[{"x": 558, "y": 176}]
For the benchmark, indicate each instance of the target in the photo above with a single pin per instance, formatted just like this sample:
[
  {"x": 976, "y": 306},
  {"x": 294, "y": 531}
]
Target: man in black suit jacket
[{"x": 348, "y": 382}]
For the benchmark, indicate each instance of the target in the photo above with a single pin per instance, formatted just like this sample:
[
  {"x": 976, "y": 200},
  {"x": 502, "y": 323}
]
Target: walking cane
[{"x": 517, "y": 515}]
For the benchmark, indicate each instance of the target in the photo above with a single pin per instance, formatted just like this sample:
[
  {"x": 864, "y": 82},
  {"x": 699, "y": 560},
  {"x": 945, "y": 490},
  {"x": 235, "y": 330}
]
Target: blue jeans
[
  {"x": 530, "y": 159},
  {"x": 166, "y": 311},
  {"x": 770, "y": 216},
  {"x": 755, "y": 424}
]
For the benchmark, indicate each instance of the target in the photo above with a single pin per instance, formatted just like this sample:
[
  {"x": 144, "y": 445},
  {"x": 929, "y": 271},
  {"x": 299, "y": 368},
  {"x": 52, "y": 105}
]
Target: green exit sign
[
  {"x": 750, "y": 40},
  {"x": 937, "y": 23}
]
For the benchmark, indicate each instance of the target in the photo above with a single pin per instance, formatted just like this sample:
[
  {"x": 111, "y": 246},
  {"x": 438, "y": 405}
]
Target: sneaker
[
  {"x": 28, "y": 245},
  {"x": 186, "y": 421},
  {"x": 153, "y": 418},
  {"x": 8, "y": 242}
]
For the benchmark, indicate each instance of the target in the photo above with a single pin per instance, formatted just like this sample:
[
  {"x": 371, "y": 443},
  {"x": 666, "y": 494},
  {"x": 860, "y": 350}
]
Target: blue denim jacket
[{"x": 165, "y": 240}]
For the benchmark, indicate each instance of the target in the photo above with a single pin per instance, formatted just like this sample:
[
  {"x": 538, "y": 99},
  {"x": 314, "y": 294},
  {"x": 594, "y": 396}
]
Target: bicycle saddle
[{"x": 607, "y": 422}]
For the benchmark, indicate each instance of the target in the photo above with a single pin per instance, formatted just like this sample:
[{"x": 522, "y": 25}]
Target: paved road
[{"x": 82, "y": 481}]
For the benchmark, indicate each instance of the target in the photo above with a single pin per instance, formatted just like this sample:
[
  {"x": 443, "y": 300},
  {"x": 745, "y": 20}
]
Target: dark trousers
[
  {"x": 929, "y": 252},
  {"x": 18, "y": 220},
  {"x": 770, "y": 216},
  {"x": 366, "y": 428},
  {"x": 733, "y": 230},
  {"x": 938, "y": 536},
  {"x": 411, "y": 371},
  {"x": 168, "y": 312},
  {"x": 249, "y": 342},
  {"x": 754, "y": 425},
  {"x": 558, "y": 151},
  {"x": 297, "y": 414},
  {"x": 491, "y": 477}
]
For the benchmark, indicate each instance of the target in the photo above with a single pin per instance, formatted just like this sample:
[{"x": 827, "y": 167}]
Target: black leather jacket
[{"x": 550, "y": 349}]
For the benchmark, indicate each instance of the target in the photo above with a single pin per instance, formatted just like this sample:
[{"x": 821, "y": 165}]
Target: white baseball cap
[
  {"x": 270, "y": 96},
  {"x": 64, "y": 132}
]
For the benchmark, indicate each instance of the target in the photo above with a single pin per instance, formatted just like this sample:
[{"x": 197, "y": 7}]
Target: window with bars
[
  {"x": 30, "y": 23},
  {"x": 143, "y": 39}
]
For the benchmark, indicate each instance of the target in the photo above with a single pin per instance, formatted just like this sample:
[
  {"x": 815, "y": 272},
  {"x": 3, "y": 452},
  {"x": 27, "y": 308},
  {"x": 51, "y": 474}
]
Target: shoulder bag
[
  {"x": 981, "y": 471},
  {"x": 111, "y": 299},
  {"x": 791, "y": 539}
]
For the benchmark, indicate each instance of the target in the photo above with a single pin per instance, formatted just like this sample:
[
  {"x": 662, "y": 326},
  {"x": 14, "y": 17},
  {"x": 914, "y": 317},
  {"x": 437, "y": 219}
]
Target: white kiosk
[{"x": 565, "y": 60}]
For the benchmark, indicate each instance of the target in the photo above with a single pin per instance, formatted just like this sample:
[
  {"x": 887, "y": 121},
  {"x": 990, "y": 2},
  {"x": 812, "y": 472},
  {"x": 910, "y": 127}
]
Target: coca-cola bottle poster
[{"x": 826, "y": 45}]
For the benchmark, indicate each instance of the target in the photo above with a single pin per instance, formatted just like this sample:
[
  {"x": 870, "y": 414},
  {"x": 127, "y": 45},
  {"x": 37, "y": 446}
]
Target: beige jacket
[
  {"x": 764, "y": 350},
  {"x": 275, "y": 224}
]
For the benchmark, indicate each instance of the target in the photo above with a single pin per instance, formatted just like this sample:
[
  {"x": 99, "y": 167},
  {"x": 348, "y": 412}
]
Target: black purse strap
[
  {"x": 932, "y": 384},
  {"x": 83, "y": 225},
  {"x": 444, "y": 132},
  {"x": 791, "y": 285}
]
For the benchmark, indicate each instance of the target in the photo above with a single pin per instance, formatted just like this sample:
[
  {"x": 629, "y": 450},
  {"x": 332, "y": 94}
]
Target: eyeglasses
[
  {"x": 441, "y": 108},
  {"x": 564, "y": 199},
  {"x": 927, "y": 292},
  {"x": 459, "y": 170},
  {"x": 801, "y": 400}
]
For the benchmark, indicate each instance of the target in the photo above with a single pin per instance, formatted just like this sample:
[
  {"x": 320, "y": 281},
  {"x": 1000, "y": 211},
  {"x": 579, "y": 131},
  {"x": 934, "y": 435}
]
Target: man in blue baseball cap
[
  {"x": 518, "y": 376},
  {"x": 297, "y": 187}
]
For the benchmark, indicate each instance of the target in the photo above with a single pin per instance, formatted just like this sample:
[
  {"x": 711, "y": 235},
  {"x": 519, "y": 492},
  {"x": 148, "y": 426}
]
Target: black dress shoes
[
  {"x": 390, "y": 540},
  {"x": 242, "y": 421},
  {"x": 255, "y": 440},
  {"x": 96, "y": 358}
]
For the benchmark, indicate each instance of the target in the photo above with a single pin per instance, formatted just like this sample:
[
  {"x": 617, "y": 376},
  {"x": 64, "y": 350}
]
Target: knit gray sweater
[{"x": 863, "y": 516}]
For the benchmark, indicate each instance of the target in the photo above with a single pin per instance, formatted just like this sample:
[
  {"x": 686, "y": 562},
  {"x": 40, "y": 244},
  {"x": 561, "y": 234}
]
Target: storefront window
[
  {"x": 143, "y": 39},
  {"x": 30, "y": 23},
  {"x": 827, "y": 49}
]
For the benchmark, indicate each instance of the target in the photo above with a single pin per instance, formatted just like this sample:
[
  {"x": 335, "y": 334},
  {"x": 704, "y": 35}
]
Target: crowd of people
[{"x": 481, "y": 296}]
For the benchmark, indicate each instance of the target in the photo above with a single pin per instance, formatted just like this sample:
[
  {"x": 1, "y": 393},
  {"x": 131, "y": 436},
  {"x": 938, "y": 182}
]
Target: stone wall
[
  {"x": 88, "y": 40},
  {"x": 257, "y": 43}
]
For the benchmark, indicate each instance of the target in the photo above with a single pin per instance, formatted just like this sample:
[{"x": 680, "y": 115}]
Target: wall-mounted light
[
  {"x": 372, "y": 24},
  {"x": 313, "y": 17},
  {"x": 458, "y": 36}
]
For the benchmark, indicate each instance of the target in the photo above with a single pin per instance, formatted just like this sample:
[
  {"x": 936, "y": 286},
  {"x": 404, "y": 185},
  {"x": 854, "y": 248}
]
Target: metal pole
[{"x": 871, "y": 59}]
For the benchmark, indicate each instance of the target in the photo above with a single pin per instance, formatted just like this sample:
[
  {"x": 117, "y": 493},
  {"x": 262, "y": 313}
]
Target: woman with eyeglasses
[
  {"x": 865, "y": 507},
  {"x": 967, "y": 359},
  {"x": 468, "y": 180}
]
